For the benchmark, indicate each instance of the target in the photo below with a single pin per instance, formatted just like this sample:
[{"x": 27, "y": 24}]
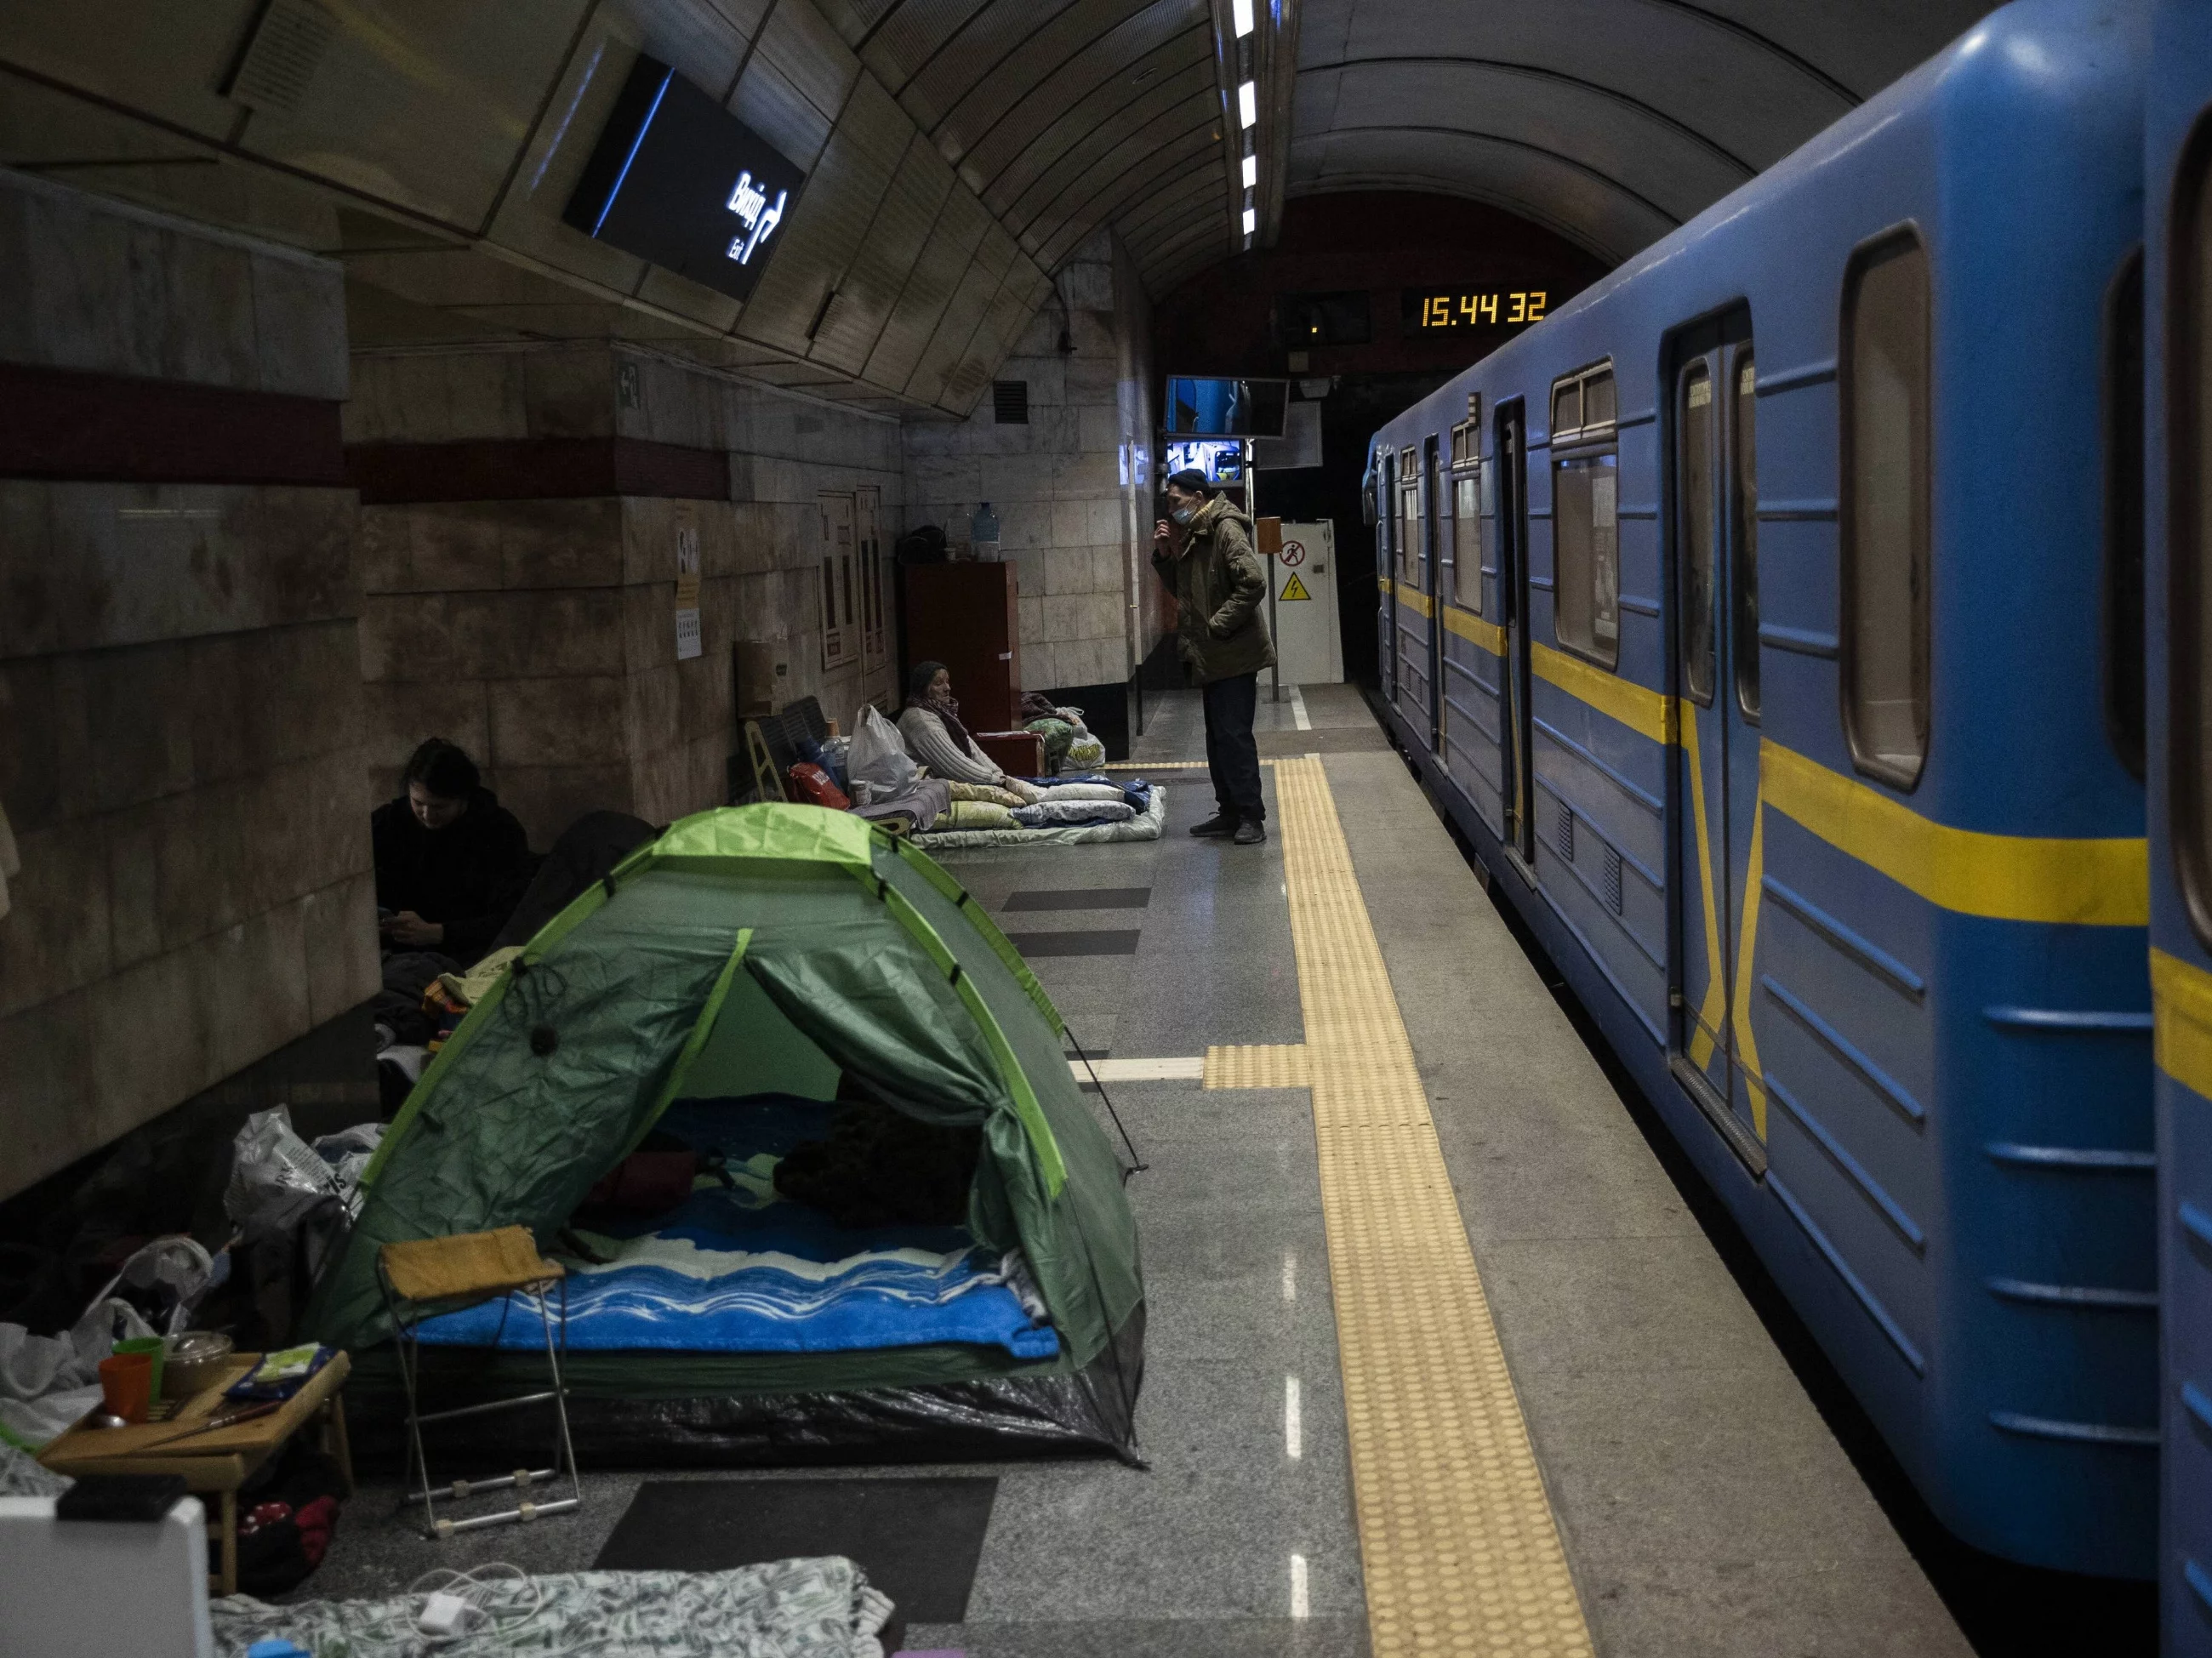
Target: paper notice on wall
[{"x": 689, "y": 642}]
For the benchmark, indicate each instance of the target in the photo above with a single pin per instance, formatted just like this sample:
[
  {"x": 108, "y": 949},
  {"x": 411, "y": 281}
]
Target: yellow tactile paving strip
[
  {"x": 1458, "y": 1544},
  {"x": 1271, "y": 1066}
]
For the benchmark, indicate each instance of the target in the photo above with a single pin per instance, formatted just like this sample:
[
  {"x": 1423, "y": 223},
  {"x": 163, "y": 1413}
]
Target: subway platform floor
[{"x": 1442, "y": 1354}]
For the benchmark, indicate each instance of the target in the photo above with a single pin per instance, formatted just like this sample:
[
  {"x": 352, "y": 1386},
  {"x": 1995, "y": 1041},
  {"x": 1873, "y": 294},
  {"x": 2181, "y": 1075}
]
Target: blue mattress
[{"x": 738, "y": 1269}]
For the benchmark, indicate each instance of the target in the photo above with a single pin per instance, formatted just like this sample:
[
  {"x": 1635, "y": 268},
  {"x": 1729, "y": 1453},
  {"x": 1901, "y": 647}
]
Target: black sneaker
[
  {"x": 1249, "y": 835},
  {"x": 1221, "y": 825}
]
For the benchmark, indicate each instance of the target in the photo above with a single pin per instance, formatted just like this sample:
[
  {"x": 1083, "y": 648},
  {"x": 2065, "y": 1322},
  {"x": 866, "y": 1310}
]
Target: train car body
[
  {"x": 1747, "y": 616},
  {"x": 2178, "y": 267}
]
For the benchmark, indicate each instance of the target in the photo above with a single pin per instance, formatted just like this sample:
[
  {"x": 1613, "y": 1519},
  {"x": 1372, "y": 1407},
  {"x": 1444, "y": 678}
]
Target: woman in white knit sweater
[{"x": 930, "y": 724}]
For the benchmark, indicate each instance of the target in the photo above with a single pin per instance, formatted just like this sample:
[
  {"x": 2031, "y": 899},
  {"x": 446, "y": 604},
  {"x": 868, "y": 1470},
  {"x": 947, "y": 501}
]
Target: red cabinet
[{"x": 965, "y": 616}]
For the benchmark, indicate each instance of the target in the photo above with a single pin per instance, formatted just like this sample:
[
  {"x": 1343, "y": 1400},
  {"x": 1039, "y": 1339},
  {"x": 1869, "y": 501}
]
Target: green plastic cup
[{"x": 155, "y": 1350}]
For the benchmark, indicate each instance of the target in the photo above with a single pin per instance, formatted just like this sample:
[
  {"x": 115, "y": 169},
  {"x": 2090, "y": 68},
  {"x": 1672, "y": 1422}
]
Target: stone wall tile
[
  {"x": 1098, "y": 616},
  {"x": 1109, "y": 567},
  {"x": 453, "y": 546},
  {"x": 138, "y": 709},
  {"x": 1098, "y": 428},
  {"x": 1108, "y": 521},
  {"x": 1081, "y": 477},
  {"x": 571, "y": 393},
  {"x": 384, "y": 550},
  {"x": 398, "y": 714},
  {"x": 55, "y": 938},
  {"x": 79, "y": 271},
  {"x": 40, "y": 604},
  {"x": 548, "y": 798},
  {"x": 1067, "y": 570},
  {"x": 1030, "y": 614},
  {"x": 1039, "y": 665},
  {"x": 342, "y": 968},
  {"x": 1055, "y": 431},
  {"x": 144, "y": 1062},
  {"x": 133, "y": 848},
  {"x": 1059, "y": 620},
  {"x": 652, "y": 702},
  {"x": 543, "y": 722},
  {"x": 1023, "y": 524},
  {"x": 299, "y": 326},
  {"x": 1071, "y": 525},
  {"x": 1007, "y": 478},
  {"x": 203, "y": 329},
  {"x": 45, "y": 1054},
  {"x": 560, "y": 543},
  {"x": 31, "y": 766}
]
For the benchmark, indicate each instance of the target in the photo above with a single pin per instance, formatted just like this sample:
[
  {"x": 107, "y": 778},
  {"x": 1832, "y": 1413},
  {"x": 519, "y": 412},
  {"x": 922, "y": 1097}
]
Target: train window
[
  {"x": 2123, "y": 513},
  {"x": 1744, "y": 508},
  {"x": 1693, "y": 497},
  {"x": 1466, "y": 541},
  {"x": 1409, "y": 520},
  {"x": 1586, "y": 556},
  {"x": 1598, "y": 399},
  {"x": 1582, "y": 406},
  {"x": 1885, "y": 571}
]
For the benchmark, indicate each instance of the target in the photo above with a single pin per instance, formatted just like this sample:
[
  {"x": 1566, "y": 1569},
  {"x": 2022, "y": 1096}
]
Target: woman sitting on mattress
[{"x": 936, "y": 738}]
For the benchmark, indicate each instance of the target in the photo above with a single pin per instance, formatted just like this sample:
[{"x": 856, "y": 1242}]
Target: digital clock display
[{"x": 1429, "y": 310}]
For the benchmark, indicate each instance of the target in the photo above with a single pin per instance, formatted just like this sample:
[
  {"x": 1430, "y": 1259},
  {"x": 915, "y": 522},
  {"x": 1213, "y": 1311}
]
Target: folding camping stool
[{"x": 445, "y": 1275}]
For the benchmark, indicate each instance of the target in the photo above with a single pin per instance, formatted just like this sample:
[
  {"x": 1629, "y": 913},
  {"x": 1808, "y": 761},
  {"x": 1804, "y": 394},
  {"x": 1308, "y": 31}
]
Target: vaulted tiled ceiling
[
  {"x": 1065, "y": 115},
  {"x": 1610, "y": 121}
]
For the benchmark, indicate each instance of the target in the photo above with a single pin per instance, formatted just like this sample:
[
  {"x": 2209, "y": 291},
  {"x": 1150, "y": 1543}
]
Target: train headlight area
[{"x": 1680, "y": 1127}]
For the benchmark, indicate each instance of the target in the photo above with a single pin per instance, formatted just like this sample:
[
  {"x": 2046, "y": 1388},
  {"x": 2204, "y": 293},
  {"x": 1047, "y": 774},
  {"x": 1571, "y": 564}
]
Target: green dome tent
[{"x": 760, "y": 949}]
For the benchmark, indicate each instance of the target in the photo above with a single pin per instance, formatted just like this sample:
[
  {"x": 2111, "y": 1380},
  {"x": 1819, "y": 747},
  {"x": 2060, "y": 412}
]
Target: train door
[
  {"x": 1411, "y": 633},
  {"x": 1511, "y": 458},
  {"x": 2177, "y": 362},
  {"x": 1434, "y": 513},
  {"x": 1717, "y": 842},
  {"x": 1386, "y": 616}
]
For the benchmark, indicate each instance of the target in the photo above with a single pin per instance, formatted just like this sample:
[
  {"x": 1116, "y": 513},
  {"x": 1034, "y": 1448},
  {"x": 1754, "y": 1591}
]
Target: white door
[{"x": 1308, "y": 647}]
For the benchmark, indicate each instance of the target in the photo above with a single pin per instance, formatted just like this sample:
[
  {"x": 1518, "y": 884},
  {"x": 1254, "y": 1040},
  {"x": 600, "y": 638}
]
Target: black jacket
[{"x": 468, "y": 876}]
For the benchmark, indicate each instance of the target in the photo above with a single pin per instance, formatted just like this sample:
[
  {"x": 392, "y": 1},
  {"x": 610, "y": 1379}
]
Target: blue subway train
[
  {"x": 1770, "y": 618},
  {"x": 2178, "y": 357}
]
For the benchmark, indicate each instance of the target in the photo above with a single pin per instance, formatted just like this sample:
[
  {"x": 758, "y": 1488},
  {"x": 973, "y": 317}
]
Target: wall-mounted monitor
[
  {"x": 678, "y": 180},
  {"x": 1221, "y": 459},
  {"x": 1202, "y": 408}
]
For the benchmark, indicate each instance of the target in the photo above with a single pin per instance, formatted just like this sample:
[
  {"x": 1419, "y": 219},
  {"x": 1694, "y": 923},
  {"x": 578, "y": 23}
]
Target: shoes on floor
[
  {"x": 1249, "y": 835},
  {"x": 1221, "y": 825}
]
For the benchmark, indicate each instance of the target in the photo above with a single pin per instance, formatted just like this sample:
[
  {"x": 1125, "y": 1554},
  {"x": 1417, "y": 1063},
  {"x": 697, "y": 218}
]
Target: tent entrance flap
[{"x": 754, "y": 1049}]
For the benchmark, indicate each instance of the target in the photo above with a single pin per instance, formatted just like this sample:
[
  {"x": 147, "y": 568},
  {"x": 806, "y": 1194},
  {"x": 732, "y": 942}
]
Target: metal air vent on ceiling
[
  {"x": 287, "y": 49},
  {"x": 1010, "y": 402}
]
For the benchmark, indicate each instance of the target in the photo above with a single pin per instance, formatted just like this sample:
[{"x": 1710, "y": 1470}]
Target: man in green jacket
[{"x": 1220, "y": 588}]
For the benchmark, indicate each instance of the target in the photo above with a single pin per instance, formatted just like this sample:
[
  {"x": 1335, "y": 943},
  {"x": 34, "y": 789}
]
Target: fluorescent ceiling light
[
  {"x": 1248, "y": 103},
  {"x": 1251, "y": 220},
  {"x": 1243, "y": 10},
  {"x": 1251, "y": 171}
]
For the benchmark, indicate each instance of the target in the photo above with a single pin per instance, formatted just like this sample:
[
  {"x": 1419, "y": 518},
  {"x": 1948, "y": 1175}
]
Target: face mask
[{"x": 1182, "y": 515}]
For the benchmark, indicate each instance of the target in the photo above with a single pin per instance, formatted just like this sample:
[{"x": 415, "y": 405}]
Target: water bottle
[{"x": 983, "y": 534}]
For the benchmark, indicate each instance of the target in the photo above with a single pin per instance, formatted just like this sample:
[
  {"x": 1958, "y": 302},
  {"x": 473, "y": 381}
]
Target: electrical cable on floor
[
  {"x": 1136, "y": 1164},
  {"x": 453, "y": 1601}
]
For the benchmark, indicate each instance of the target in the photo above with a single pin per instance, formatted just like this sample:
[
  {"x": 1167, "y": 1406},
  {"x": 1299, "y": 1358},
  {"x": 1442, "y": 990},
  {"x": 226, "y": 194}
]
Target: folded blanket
[
  {"x": 1053, "y": 812},
  {"x": 977, "y": 815},
  {"x": 1082, "y": 792},
  {"x": 985, "y": 792}
]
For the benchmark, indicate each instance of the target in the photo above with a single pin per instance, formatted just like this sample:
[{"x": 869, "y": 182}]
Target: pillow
[
  {"x": 1050, "y": 813},
  {"x": 1084, "y": 792}
]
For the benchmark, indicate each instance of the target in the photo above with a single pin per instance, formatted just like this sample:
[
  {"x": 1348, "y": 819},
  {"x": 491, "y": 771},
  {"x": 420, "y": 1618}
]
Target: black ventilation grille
[
  {"x": 1010, "y": 402},
  {"x": 1563, "y": 834},
  {"x": 1609, "y": 884}
]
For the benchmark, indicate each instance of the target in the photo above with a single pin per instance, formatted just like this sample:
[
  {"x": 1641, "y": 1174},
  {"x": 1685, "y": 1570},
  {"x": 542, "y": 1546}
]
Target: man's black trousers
[{"x": 1231, "y": 754}]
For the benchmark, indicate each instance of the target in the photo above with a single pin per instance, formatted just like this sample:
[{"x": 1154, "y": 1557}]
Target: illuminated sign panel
[
  {"x": 678, "y": 180},
  {"x": 1432, "y": 309}
]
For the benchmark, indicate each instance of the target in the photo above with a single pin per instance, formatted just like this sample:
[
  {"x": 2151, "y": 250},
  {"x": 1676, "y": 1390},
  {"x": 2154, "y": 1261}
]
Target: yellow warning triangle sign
[{"x": 1295, "y": 589}]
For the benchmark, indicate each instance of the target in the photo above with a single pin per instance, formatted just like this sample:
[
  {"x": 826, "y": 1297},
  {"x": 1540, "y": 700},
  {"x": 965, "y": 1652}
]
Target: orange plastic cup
[{"x": 126, "y": 1385}]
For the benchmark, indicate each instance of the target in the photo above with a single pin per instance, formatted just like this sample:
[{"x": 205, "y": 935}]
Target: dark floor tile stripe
[
  {"x": 1104, "y": 943},
  {"x": 1083, "y": 898}
]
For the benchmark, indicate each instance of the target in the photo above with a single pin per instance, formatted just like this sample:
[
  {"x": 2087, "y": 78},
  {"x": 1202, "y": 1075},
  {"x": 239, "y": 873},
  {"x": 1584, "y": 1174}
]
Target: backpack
[{"x": 811, "y": 785}]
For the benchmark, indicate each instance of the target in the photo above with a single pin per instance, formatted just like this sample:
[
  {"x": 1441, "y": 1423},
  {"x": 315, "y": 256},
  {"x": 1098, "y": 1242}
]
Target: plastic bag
[
  {"x": 276, "y": 1177},
  {"x": 878, "y": 757}
]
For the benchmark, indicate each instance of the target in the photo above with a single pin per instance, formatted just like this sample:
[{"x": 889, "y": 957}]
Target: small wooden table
[{"x": 220, "y": 1462}]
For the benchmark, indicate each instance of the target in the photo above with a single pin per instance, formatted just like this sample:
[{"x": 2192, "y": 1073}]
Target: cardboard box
[{"x": 762, "y": 668}]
